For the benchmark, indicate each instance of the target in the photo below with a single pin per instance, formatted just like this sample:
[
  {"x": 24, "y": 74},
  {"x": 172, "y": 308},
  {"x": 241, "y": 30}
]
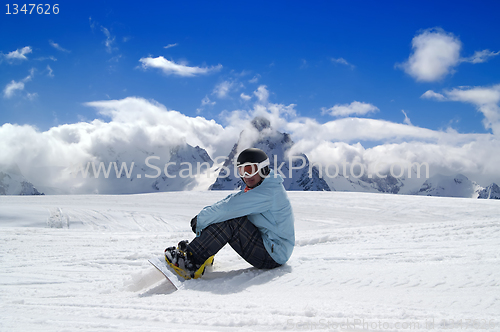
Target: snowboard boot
[{"x": 182, "y": 262}]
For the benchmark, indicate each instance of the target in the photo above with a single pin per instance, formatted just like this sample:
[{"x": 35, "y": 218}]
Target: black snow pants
[{"x": 243, "y": 236}]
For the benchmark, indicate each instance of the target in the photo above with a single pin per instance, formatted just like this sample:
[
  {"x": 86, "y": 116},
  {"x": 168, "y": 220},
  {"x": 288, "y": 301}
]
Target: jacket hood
[{"x": 273, "y": 177}]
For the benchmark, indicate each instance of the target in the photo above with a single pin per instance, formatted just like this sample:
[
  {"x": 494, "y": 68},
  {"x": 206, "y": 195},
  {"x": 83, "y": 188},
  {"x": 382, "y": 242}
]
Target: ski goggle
[{"x": 247, "y": 170}]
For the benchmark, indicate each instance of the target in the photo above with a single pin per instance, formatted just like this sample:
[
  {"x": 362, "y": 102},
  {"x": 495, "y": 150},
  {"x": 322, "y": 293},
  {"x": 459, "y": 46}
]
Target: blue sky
[
  {"x": 361, "y": 68},
  {"x": 315, "y": 56}
]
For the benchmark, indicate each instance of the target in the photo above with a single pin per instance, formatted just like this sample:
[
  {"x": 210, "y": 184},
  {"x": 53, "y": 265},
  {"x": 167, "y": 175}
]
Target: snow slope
[{"x": 362, "y": 262}]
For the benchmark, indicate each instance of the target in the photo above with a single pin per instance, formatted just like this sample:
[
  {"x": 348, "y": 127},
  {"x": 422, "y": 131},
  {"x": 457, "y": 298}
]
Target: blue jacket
[{"x": 267, "y": 207}]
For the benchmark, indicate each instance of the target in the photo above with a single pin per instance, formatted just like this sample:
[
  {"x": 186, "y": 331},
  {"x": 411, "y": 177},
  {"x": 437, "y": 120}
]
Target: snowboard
[{"x": 162, "y": 266}]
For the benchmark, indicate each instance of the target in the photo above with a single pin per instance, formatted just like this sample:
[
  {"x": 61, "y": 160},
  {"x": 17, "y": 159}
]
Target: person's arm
[{"x": 257, "y": 200}]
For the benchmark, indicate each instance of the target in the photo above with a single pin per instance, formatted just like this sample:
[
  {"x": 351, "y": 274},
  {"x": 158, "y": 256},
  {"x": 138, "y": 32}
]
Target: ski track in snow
[{"x": 80, "y": 263}]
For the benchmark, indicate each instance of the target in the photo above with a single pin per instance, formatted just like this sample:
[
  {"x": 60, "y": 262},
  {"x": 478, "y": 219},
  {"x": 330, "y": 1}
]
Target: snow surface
[{"x": 362, "y": 262}]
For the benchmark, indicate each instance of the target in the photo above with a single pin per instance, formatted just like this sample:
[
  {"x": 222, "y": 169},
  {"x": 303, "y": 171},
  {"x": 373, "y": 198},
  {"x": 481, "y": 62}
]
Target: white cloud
[
  {"x": 12, "y": 87},
  {"x": 170, "y": 45},
  {"x": 429, "y": 94},
  {"x": 172, "y": 68},
  {"x": 46, "y": 58},
  {"x": 481, "y": 56},
  {"x": 58, "y": 47},
  {"x": 204, "y": 102},
  {"x": 447, "y": 152},
  {"x": 151, "y": 115},
  {"x": 31, "y": 96},
  {"x": 255, "y": 79},
  {"x": 475, "y": 158},
  {"x": 110, "y": 40},
  {"x": 222, "y": 89},
  {"x": 342, "y": 61},
  {"x": 352, "y": 129},
  {"x": 354, "y": 108},
  {"x": 435, "y": 54},
  {"x": 245, "y": 97},
  {"x": 207, "y": 101},
  {"x": 262, "y": 94},
  {"x": 50, "y": 71},
  {"x": 407, "y": 119},
  {"x": 137, "y": 126},
  {"x": 18, "y": 55},
  {"x": 476, "y": 95},
  {"x": 486, "y": 100}
]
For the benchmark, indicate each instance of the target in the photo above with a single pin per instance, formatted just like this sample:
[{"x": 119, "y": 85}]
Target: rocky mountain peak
[{"x": 260, "y": 123}]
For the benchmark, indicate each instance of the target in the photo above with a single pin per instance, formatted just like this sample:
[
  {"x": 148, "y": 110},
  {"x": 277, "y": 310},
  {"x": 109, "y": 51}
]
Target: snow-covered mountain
[
  {"x": 437, "y": 185},
  {"x": 490, "y": 192},
  {"x": 12, "y": 182},
  {"x": 450, "y": 186},
  {"x": 167, "y": 169},
  {"x": 185, "y": 161},
  {"x": 340, "y": 179},
  {"x": 375, "y": 184},
  {"x": 276, "y": 145},
  {"x": 125, "y": 169}
]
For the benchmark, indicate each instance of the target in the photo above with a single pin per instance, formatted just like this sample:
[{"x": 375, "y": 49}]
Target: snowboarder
[{"x": 257, "y": 222}]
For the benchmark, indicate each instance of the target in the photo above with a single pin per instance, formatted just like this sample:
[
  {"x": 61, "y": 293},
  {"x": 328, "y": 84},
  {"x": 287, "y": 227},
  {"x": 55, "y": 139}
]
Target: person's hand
[{"x": 193, "y": 223}]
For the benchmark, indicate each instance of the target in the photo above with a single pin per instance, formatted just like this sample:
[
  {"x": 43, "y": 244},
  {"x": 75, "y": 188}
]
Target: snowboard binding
[{"x": 178, "y": 259}]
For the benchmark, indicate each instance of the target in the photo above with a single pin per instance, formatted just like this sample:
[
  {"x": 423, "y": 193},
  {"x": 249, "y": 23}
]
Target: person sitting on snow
[{"x": 257, "y": 222}]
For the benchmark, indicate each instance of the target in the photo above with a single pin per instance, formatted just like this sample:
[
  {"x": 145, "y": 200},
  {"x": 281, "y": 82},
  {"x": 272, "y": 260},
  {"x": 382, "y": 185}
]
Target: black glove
[{"x": 193, "y": 223}]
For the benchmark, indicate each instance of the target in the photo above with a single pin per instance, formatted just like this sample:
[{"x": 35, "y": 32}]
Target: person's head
[{"x": 253, "y": 166}]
